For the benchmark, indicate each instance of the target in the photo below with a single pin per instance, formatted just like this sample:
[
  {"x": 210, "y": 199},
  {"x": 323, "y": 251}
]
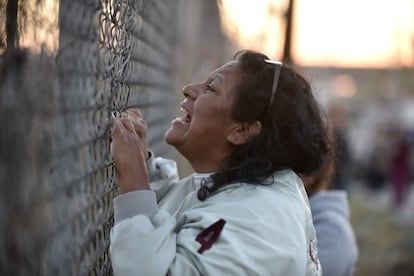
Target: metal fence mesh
[
  {"x": 113, "y": 55},
  {"x": 56, "y": 178}
]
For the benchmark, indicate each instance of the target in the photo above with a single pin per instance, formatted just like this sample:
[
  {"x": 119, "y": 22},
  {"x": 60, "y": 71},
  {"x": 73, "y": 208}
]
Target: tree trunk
[
  {"x": 11, "y": 24},
  {"x": 287, "y": 55}
]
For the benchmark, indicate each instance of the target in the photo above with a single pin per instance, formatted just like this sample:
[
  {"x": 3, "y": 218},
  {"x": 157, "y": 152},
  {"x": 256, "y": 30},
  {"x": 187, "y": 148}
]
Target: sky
[{"x": 343, "y": 33}]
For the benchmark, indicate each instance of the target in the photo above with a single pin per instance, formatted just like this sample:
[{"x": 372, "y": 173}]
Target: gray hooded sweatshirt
[{"x": 337, "y": 246}]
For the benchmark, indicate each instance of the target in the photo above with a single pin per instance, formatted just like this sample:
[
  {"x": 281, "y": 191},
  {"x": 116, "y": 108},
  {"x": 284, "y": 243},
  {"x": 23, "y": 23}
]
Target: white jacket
[{"x": 268, "y": 229}]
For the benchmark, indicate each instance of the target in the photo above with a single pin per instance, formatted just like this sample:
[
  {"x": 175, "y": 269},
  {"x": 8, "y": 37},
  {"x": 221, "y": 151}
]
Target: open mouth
[{"x": 186, "y": 118}]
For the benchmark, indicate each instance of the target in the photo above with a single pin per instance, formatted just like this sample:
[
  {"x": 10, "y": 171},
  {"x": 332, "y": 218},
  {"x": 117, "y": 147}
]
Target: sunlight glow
[
  {"x": 257, "y": 25},
  {"x": 41, "y": 32},
  {"x": 352, "y": 33}
]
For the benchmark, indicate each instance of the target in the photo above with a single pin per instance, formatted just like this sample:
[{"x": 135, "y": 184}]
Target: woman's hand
[
  {"x": 140, "y": 126},
  {"x": 130, "y": 151}
]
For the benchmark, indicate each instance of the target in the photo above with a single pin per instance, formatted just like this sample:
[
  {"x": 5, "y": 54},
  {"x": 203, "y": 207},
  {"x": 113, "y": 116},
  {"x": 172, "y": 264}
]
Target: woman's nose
[{"x": 191, "y": 91}]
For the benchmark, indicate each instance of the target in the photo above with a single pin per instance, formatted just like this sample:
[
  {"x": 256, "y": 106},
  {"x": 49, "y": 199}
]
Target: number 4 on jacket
[{"x": 210, "y": 235}]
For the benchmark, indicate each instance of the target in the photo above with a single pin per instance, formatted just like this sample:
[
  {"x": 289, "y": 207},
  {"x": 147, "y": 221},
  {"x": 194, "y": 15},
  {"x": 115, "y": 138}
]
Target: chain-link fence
[
  {"x": 56, "y": 174},
  {"x": 113, "y": 55},
  {"x": 56, "y": 178}
]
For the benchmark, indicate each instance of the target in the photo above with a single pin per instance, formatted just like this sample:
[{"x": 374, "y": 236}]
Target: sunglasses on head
[{"x": 278, "y": 68}]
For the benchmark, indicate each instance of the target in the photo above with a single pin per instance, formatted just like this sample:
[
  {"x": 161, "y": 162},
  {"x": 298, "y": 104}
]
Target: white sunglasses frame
[{"x": 278, "y": 67}]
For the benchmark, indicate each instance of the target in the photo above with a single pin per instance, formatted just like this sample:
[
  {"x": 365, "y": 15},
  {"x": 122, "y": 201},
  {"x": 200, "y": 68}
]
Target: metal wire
[{"x": 113, "y": 55}]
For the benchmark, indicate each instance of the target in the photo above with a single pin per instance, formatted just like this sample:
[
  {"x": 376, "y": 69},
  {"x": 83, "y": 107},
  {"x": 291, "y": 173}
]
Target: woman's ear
[{"x": 243, "y": 132}]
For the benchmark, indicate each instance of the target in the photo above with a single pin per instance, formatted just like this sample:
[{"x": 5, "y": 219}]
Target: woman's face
[{"x": 201, "y": 134}]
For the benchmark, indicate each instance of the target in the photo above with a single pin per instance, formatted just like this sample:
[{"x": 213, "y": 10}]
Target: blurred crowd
[
  {"x": 390, "y": 163},
  {"x": 386, "y": 164}
]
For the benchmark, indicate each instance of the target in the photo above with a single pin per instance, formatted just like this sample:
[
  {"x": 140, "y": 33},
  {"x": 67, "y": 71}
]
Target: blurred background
[{"x": 66, "y": 65}]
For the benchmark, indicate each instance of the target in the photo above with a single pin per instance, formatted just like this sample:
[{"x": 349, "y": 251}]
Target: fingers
[
  {"x": 127, "y": 124},
  {"x": 140, "y": 125},
  {"x": 132, "y": 112},
  {"x": 135, "y": 115},
  {"x": 132, "y": 121},
  {"x": 125, "y": 141},
  {"x": 123, "y": 127},
  {"x": 128, "y": 153},
  {"x": 135, "y": 112}
]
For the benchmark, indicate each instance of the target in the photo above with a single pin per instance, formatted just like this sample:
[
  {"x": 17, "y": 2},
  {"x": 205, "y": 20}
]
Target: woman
[{"x": 246, "y": 131}]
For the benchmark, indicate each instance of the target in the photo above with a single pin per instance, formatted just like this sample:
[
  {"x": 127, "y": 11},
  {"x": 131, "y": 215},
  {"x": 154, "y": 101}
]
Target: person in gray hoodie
[{"x": 337, "y": 246}]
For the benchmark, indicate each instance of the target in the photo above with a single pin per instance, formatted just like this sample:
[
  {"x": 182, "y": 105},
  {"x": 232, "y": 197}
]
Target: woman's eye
[{"x": 210, "y": 88}]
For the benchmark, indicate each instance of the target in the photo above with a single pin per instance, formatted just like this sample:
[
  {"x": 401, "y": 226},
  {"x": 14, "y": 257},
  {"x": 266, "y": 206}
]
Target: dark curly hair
[{"x": 293, "y": 132}]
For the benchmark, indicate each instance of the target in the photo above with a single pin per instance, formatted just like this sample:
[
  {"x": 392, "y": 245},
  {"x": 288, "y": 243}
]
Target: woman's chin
[{"x": 174, "y": 136}]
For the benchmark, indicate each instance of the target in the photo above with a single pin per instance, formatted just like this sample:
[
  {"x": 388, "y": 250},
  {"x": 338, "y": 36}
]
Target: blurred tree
[
  {"x": 11, "y": 24},
  {"x": 14, "y": 15},
  {"x": 2, "y": 24},
  {"x": 287, "y": 55}
]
